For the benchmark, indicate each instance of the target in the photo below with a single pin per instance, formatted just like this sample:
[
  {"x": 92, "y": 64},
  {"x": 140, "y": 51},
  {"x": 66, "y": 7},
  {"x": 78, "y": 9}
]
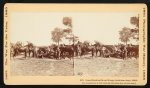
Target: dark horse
[
  {"x": 66, "y": 51},
  {"x": 18, "y": 49},
  {"x": 132, "y": 51}
]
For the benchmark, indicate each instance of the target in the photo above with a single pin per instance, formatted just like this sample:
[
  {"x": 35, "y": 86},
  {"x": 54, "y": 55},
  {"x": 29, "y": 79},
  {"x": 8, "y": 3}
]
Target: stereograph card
[{"x": 75, "y": 44}]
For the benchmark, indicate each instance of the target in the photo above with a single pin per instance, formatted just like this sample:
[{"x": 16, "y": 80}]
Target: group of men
[{"x": 78, "y": 50}]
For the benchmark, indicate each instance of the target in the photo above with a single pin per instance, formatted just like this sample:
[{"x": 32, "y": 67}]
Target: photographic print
[{"x": 90, "y": 45}]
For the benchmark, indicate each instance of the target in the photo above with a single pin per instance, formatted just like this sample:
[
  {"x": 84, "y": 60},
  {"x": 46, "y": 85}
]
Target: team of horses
[{"x": 63, "y": 51}]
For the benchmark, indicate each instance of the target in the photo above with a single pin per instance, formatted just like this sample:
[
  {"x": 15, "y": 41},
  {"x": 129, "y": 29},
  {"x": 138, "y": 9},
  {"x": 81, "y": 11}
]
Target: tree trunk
[
  {"x": 126, "y": 43},
  {"x": 58, "y": 43}
]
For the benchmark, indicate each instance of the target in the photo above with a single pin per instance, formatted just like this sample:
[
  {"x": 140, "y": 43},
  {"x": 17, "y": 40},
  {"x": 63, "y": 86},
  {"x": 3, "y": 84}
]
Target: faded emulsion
[{"x": 71, "y": 53}]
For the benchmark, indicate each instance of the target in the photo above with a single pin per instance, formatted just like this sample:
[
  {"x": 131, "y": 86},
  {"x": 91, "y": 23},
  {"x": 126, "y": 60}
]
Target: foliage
[
  {"x": 72, "y": 38},
  {"x": 134, "y": 21},
  {"x": 125, "y": 35},
  {"x": 57, "y": 35},
  {"x": 135, "y": 31},
  {"x": 67, "y": 21},
  {"x": 67, "y": 30}
]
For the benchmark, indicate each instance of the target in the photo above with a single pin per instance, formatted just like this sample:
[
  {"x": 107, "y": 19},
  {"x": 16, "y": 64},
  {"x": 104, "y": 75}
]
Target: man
[
  {"x": 103, "y": 51},
  {"x": 78, "y": 50},
  {"x": 93, "y": 51}
]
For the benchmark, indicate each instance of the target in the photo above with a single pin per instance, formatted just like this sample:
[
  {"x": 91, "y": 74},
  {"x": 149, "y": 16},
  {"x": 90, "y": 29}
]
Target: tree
[
  {"x": 57, "y": 35},
  {"x": 72, "y": 38},
  {"x": 67, "y": 21},
  {"x": 134, "y": 21},
  {"x": 135, "y": 32},
  {"x": 125, "y": 35},
  {"x": 68, "y": 31}
]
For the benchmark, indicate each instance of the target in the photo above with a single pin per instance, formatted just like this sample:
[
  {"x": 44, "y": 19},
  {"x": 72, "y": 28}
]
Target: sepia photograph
[
  {"x": 59, "y": 42},
  {"x": 80, "y": 43}
]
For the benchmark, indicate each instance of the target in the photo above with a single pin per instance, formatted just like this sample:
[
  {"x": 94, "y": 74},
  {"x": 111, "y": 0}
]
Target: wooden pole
[{"x": 73, "y": 54}]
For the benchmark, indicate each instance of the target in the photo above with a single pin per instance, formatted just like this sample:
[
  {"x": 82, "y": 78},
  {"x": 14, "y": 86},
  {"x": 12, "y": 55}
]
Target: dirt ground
[{"x": 84, "y": 66}]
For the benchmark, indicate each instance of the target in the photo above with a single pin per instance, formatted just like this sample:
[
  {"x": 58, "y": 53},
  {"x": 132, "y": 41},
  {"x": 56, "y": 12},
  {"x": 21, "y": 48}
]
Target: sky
[{"x": 36, "y": 27}]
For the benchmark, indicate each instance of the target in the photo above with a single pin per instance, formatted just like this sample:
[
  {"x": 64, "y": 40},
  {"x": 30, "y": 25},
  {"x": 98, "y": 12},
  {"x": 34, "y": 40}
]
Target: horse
[
  {"x": 132, "y": 51},
  {"x": 18, "y": 50}
]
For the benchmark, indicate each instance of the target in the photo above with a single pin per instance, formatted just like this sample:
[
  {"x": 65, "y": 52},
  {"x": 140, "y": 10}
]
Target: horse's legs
[
  {"x": 25, "y": 54},
  {"x": 96, "y": 52},
  {"x": 76, "y": 53},
  {"x": 58, "y": 54},
  {"x": 92, "y": 53},
  {"x": 14, "y": 54},
  {"x": 63, "y": 55},
  {"x": 80, "y": 54},
  {"x": 42, "y": 56},
  {"x": 29, "y": 53},
  {"x": 33, "y": 55},
  {"x": 100, "y": 53},
  {"x": 72, "y": 54},
  {"x": 123, "y": 56}
]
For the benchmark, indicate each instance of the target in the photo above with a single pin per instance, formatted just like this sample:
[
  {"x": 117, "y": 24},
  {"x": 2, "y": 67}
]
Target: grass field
[{"x": 84, "y": 66}]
